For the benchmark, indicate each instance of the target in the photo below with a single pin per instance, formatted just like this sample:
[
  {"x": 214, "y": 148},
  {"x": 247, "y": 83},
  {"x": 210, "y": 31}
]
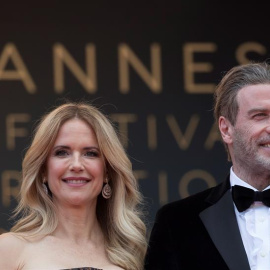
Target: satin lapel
[{"x": 221, "y": 224}]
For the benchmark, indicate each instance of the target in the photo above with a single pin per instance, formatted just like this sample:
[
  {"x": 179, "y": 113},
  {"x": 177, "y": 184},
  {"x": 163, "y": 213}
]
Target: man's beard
[{"x": 247, "y": 152}]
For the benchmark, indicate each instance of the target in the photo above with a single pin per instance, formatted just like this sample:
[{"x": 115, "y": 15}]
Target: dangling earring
[
  {"x": 45, "y": 188},
  {"x": 107, "y": 191}
]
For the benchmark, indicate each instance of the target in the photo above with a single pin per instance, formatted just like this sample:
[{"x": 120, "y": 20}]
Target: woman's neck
[{"x": 78, "y": 224}]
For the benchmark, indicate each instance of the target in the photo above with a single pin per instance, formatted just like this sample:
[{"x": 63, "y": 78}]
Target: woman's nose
[{"x": 76, "y": 164}]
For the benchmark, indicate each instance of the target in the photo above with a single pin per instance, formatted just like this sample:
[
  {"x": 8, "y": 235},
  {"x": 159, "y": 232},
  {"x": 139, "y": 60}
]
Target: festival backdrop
[{"x": 152, "y": 68}]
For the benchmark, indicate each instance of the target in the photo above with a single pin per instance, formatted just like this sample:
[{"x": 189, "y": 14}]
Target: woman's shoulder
[
  {"x": 10, "y": 244},
  {"x": 10, "y": 239},
  {"x": 11, "y": 247},
  {"x": 113, "y": 267}
]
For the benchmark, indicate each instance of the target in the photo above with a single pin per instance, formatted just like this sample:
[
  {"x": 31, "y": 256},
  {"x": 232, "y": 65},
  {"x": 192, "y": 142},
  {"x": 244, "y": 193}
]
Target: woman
[{"x": 79, "y": 203}]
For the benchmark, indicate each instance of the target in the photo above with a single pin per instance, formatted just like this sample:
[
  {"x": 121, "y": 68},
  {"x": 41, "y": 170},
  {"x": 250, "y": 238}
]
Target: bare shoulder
[
  {"x": 114, "y": 267},
  {"x": 10, "y": 240},
  {"x": 11, "y": 247}
]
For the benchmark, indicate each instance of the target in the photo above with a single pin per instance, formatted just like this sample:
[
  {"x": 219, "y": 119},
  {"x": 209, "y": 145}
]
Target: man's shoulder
[{"x": 192, "y": 204}]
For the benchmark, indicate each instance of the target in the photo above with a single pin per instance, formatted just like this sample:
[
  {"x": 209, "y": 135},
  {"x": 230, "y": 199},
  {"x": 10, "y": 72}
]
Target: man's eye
[{"x": 259, "y": 115}]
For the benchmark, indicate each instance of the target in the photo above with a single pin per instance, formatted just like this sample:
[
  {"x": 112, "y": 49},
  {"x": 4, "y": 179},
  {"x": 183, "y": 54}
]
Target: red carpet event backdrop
[{"x": 151, "y": 68}]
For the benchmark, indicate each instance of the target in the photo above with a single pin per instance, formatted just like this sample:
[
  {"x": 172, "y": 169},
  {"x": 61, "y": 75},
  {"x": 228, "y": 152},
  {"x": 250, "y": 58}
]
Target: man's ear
[{"x": 226, "y": 129}]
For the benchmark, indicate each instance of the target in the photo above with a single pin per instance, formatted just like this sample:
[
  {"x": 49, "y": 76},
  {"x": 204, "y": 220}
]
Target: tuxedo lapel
[{"x": 221, "y": 224}]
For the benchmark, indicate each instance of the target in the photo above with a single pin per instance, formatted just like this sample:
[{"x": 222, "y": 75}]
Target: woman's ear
[{"x": 226, "y": 129}]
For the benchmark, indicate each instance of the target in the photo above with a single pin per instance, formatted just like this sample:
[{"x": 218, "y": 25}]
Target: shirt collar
[{"x": 235, "y": 180}]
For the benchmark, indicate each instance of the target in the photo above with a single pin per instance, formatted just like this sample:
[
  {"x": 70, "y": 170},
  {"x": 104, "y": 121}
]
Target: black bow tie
[{"x": 243, "y": 197}]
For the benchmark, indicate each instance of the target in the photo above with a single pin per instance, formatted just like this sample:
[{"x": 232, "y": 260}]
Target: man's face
[{"x": 250, "y": 136}]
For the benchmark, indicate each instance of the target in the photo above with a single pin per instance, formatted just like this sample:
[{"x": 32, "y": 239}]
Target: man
[{"x": 211, "y": 230}]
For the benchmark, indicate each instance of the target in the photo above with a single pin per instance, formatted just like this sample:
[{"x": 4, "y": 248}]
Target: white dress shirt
[{"x": 254, "y": 226}]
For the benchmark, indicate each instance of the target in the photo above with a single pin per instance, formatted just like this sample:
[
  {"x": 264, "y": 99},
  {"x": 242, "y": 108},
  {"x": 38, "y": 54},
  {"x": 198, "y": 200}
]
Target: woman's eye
[
  {"x": 61, "y": 153},
  {"x": 92, "y": 154}
]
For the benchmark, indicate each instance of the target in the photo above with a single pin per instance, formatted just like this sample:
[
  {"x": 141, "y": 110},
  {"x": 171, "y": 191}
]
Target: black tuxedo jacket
[{"x": 198, "y": 232}]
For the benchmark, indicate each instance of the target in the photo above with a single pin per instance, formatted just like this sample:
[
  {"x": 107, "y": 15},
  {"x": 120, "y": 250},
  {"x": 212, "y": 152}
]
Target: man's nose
[{"x": 268, "y": 127}]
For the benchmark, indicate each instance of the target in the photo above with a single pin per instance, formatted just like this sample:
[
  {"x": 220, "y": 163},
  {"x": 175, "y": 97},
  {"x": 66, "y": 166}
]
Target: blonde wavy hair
[{"x": 121, "y": 216}]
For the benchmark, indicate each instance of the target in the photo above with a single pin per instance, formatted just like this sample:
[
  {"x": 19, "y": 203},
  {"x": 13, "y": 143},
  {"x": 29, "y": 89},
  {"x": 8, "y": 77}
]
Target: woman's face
[{"x": 75, "y": 166}]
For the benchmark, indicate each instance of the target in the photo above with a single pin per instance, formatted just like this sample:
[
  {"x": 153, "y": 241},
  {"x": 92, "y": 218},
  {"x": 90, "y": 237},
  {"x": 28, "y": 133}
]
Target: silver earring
[
  {"x": 107, "y": 191},
  {"x": 45, "y": 188}
]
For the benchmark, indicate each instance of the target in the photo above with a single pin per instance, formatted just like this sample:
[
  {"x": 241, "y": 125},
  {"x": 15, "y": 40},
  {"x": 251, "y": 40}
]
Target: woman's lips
[{"x": 76, "y": 180}]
